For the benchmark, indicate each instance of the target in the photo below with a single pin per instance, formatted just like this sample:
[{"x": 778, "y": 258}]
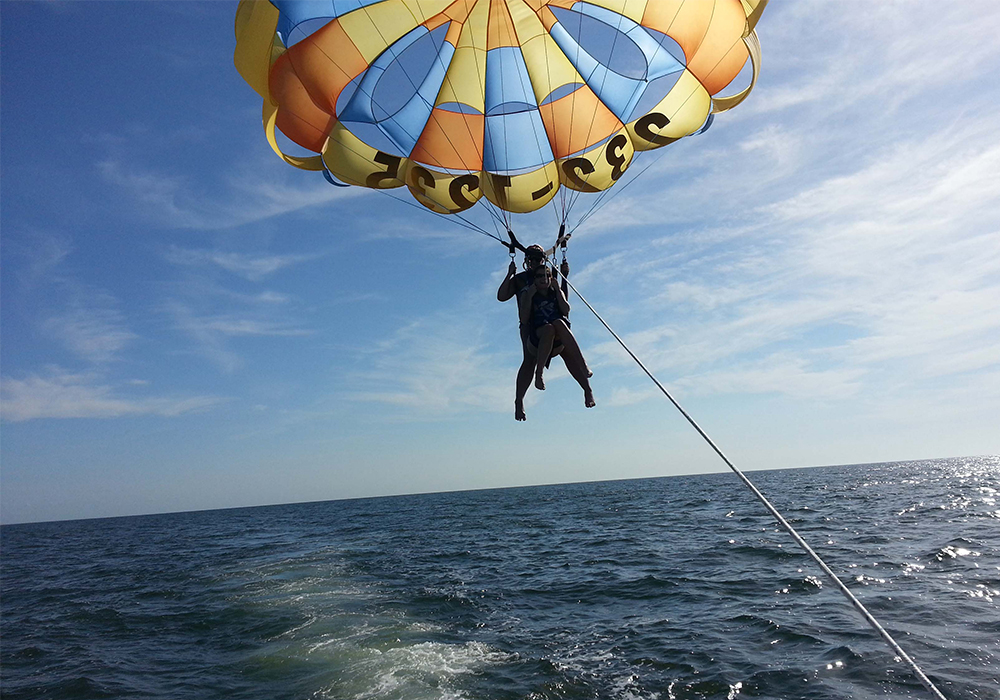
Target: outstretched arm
[{"x": 508, "y": 287}]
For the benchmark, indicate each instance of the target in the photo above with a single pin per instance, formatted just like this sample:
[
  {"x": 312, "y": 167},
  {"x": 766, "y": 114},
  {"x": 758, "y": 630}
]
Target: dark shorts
[{"x": 529, "y": 338}]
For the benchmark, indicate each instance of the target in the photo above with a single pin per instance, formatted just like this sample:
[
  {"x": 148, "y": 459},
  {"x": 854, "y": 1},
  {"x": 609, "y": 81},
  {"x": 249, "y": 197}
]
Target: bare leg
[
  {"x": 564, "y": 334},
  {"x": 546, "y": 336},
  {"x": 524, "y": 373},
  {"x": 575, "y": 362}
]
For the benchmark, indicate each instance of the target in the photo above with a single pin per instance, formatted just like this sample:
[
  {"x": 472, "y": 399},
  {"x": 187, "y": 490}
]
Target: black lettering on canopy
[
  {"x": 471, "y": 181},
  {"x": 391, "y": 171},
  {"x": 615, "y": 159},
  {"x": 643, "y": 130},
  {"x": 581, "y": 164},
  {"x": 538, "y": 194},
  {"x": 421, "y": 179},
  {"x": 500, "y": 184}
]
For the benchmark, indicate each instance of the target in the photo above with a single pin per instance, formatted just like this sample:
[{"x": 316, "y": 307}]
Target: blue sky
[{"x": 189, "y": 323}]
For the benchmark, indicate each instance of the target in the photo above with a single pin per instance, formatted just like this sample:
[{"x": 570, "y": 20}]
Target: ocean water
[{"x": 678, "y": 587}]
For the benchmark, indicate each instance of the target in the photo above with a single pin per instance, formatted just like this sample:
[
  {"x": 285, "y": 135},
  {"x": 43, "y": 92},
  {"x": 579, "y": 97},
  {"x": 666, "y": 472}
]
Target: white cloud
[
  {"x": 934, "y": 179},
  {"x": 85, "y": 319},
  {"x": 841, "y": 58},
  {"x": 779, "y": 373},
  {"x": 212, "y": 332},
  {"x": 94, "y": 328},
  {"x": 948, "y": 325},
  {"x": 626, "y": 396},
  {"x": 250, "y": 267},
  {"x": 434, "y": 367},
  {"x": 43, "y": 254},
  {"x": 62, "y": 394},
  {"x": 234, "y": 326},
  {"x": 271, "y": 298},
  {"x": 865, "y": 274},
  {"x": 245, "y": 197}
]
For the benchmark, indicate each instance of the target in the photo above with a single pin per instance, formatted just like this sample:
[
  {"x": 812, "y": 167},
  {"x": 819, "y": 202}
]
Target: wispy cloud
[
  {"x": 432, "y": 368},
  {"x": 86, "y": 319},
  {"x": 872, "y": 274},
  {"x": 41, "y": 255},
  {"x": 884, "y": 53},
  {"x": 62, "y": 394},
  {"x": 232, "y": 326},
  {"x": 93, "y": 328},
  {"x": 251, "y": 267},
  {"x": 245, "y": 197},
  {"x": 941, "y": 177},
  {"x": 626, "y": 396},
  {"x": 212, "y": 332},
  {"x": 779, "y": 373},
  {"x": 212, "y": 313}
]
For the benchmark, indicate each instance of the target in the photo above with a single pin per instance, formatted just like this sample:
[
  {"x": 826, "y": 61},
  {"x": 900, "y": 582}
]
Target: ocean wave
[{"x": 421, "y": 671}]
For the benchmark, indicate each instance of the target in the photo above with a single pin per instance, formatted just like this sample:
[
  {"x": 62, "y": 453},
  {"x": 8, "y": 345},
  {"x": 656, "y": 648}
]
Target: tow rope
[{"x": 921, "y": 676}]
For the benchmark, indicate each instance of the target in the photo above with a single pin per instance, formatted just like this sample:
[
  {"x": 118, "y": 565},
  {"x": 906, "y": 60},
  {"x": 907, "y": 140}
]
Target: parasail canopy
[{"x": 508, "y": 100}]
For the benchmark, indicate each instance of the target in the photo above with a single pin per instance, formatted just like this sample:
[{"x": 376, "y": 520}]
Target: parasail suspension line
[
  {"x": 451, "y": 218},
  {"x": 921, "y": 676},
  {"x": 718, "y": 104},
  {"x": 504, "y": 218},
  {"x": 607, "y": 194}
]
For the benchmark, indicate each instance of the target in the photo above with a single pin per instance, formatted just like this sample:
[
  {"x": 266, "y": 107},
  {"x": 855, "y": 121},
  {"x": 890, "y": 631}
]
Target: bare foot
[
  {"x": 588, "y": 399},
  {"x": 539, "y": 382},
  {"x": 519, "y": 411}
]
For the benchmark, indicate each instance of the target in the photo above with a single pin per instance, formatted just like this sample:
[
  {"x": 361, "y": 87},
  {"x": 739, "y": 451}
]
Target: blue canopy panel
[
  {"x": 389, "y": 106},
  {"x": 629, "y": 67},
  {"x": 300, "y": 18},
  {"x": 511, "y": 108}
]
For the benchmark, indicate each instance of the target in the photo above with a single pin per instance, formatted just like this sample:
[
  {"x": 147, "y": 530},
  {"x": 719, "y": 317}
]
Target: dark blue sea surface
[{"x": 679, "y": 587}]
